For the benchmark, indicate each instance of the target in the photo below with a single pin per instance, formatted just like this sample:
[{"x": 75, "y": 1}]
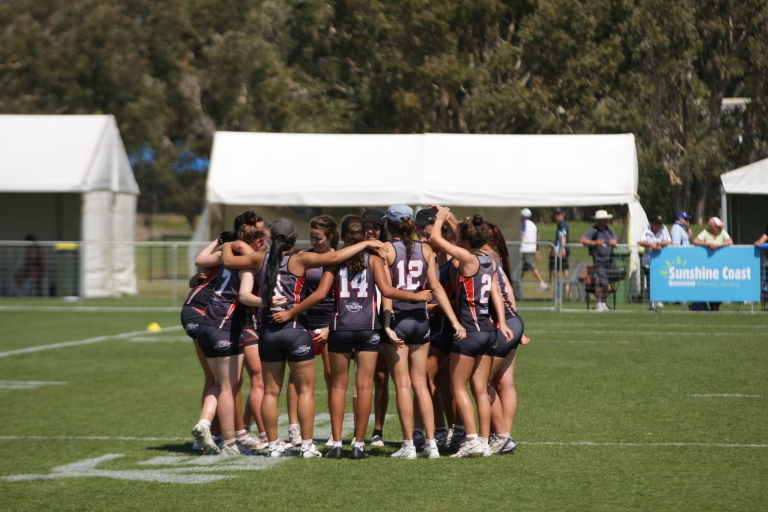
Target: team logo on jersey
[
  {"x": 354, "y": 307},
  {"x": 222, "y": 345},
  {"x": 191, "y": 328},
  {"x": 374, "y": 339},
  {"x": 482, "y": 311},
  {"x": 426, "y": 336},
  {"x": 300, "y": 351}
]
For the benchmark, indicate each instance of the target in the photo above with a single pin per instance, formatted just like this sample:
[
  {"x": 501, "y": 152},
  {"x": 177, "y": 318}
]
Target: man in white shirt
[
  {"x": 653, "y": 237},
  {"x": 529, "y": 249}
]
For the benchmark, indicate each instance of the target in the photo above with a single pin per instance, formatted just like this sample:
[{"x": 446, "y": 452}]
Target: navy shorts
[
  {"x": 502, "y": 347},
  {"x": 249, "y": 337},
  {"x": 412, "y": 329},
  {"x": 191, "y": 319},
  {"x": 215, "y": 342},
  {"x": 477, "y": 344},
  {"x": 344, "y": 342},
  {"x": 294, "y": 345},
  {"x": 443, "y": 341}
]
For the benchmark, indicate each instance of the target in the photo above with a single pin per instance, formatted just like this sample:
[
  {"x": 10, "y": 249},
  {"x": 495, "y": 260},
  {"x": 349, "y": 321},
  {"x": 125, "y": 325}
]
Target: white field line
[
  {"x": 727, "y": 395},
  {"x": 97, "y": 339},
  {"x": 27, "y": 384},
  {"x": 647, "y": 326},
  {"x": 157, "y": 339},
  {"x": 543, "y": 443},
  {"x": 710, "y": 334}
]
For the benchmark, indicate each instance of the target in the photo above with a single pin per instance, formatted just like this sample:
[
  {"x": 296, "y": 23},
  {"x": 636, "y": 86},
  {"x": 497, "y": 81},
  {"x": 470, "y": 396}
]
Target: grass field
[{"x": 620, "y": 411}]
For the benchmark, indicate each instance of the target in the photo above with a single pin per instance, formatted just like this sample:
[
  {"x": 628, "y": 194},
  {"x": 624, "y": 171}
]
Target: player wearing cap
[
  {"x": 653, "y": 238},
  {"x": 424, "y": 220},
  {"x": 283, "y": 337},
  {"x": 477, "y": 291},
  {"x": 412, "y": 265}
]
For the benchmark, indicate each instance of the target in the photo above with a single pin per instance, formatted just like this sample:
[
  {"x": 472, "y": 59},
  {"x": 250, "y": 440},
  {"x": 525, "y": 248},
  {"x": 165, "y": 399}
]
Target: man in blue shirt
[{"x": 681, "y": 230}]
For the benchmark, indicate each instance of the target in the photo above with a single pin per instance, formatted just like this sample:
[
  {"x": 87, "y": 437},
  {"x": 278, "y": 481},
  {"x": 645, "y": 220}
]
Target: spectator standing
[
  {"x": 561, "y": 240},
  {"x": 33, "y": 268},
  {"x": 681, "y": 229},
  {"x": 529, "y": 235},
  {"x": 714, "y": 237},
  {"x": 653, "y": 237},
  {"x": 601, "y": 239}
]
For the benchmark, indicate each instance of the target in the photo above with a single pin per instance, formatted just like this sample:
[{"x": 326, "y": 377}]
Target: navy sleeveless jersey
[
  {"x": 357, "y": 306},
  {"x": 473, "y": 297},
  {"x": 201, "y": 293},
  {"x": 437, "y": 321},
  {"x": 509, "y": 311},
  {"x": 224, "y": 310},
  {"x": 321, "y": 314},
  {"x": 289, "y": 286},
  {"x": 409, "y": 276}
]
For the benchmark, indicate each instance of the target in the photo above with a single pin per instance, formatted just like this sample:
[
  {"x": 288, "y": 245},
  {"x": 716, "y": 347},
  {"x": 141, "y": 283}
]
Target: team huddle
[{"x": 430, "y": 305}]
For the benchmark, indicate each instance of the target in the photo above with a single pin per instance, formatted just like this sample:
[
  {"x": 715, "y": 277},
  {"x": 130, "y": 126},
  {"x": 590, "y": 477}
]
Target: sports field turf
[{"x": 618, "y": 411}]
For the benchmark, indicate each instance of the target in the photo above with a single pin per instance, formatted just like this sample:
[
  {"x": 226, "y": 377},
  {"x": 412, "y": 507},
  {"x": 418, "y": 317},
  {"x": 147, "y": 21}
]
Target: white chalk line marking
[
  {"x": 27, "y": 384},
  {"x": 722, "y": 395},
  {"x": 710, "y": 334},
  {"x": 97, "y": 339},
  {"x": 601, "y": 342},
  {"x": 204, "y": 458},
  {"x": 173, "y": 339},
  {"x": 646, "y": 326}
]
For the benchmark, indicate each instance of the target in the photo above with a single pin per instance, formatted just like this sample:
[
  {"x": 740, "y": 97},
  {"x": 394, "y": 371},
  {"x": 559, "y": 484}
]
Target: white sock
[
  {"x": 262, "y": 434},
  {"x": 293, "y": 425},
  {"x": 471, "y": 437},
  {"x": 272, "y": 445},
  {"x": 241, "y": 433},
  {"x": 358, "y": 445},
  {"x": 432, "y": 443},
  {"x": 408, "y": 443},
  {"x": 231, "y": 442},
  {"x": 205, "y": 423},
  {"x": 483, "y": 440},
  {"x": 337, "y": 443},
  {"x": 306, "y": 442}
]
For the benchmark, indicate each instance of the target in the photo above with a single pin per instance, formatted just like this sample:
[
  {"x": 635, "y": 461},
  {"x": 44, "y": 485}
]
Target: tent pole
[{"x": 724, "y": 207}]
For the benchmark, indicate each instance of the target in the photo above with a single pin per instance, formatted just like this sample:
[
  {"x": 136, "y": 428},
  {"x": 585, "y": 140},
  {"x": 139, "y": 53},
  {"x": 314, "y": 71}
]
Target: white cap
[{"x": 525, "y": 212}]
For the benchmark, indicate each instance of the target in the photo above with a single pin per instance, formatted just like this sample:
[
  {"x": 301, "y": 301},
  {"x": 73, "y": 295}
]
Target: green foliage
[{"x": 175, "y": 72}]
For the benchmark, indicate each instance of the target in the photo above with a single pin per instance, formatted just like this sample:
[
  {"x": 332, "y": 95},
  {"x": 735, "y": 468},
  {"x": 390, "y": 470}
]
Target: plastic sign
[{"x": 698, "y": 274}]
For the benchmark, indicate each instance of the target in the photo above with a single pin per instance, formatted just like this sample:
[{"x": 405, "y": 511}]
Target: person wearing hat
[
  {"x": 653, "y": 237},
  {"x": 601, "y": 239},
  {"x": 529, "y": 248},
  {"x": 713, "y": 237},
  {"x": 373, "y": 224},
  {"x": 681, "y": 230},
  {"x": 561, "y": 249},
  {"x": 424, "y": 220}
]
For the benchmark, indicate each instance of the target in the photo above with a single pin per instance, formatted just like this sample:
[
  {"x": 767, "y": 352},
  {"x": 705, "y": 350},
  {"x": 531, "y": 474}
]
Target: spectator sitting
[
  {"x": 601, "y": 240},
  {"x": 714, "y": 237},
  {"x": 653, "y": 237}
]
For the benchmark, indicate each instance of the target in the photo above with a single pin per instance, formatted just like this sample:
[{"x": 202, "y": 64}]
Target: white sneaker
[
  {"x": 430, "y": 452},
  {"x": 260, "y": 442},
  {"x": 278, "y": 450},
  {"x": 405, "y": 452},
  {"x": 498, "y": 443},
  {"x": 238, "y": 449},
  {"x": 543, "y": 286},
  {"x": 487, "y": 452},
  {"x": 294, "y": 436},
  {"x": 202, "y": 434},
  {"x": 470, "y": 449},
  {"x": 196, "y": 446},
  {"x": 329, "y": 442},
  {"x": 310, "y": 451},
  {"x": 248, "y": 441},
  {"x": 377, "y": 441},
  {"x": 509, "y": 446},
  {"x": 659, "y": 304}
]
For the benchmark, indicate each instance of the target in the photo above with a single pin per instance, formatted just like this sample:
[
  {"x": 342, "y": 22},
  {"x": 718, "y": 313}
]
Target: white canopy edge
[
  {"x": 63, "y": 154},
  {"x": 750, "y": 179},
  {"x": 451, "y": 169}
]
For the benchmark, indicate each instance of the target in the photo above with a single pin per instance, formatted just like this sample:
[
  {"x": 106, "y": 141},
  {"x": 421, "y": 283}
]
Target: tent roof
[
  {"x": 750, "y": 179},
  {"x": 63, "y": 154},
  {"x": 450, "y": 169}
]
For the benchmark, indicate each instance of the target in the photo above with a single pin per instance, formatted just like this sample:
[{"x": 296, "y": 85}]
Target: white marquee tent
[
  {"x": 744, "y": 195},
  {"x": 67, "y": 178},
  {"x": 450, "y": 169}
]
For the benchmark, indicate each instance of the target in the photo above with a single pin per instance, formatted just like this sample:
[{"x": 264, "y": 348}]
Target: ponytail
[
  {"x": 279, "y": 245},
  {"x": 405, "y": 230},
  {"x": 352, "y": 233}
]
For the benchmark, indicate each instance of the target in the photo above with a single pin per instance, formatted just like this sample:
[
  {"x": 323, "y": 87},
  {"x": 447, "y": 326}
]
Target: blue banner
[{"x": 698, "y": 274}]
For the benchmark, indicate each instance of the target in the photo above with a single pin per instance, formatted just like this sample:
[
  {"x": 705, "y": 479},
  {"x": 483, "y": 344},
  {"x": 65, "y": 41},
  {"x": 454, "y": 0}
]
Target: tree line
[{"x": 173, "y": 73}]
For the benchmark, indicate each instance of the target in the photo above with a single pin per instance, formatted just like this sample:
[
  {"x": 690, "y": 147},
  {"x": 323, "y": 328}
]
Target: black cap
[
  {"x": 424, "y": 216},
  {"x": 373, "y": 215},
  {"x": 559, "y": 211},
  {"x": 654, "y": 219},
  {"x": 284, "y": 227}
]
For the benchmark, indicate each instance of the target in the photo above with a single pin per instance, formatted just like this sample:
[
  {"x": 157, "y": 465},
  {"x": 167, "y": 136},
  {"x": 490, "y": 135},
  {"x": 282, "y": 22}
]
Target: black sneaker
[
  {"x": 334, "y": 453},
  {"x": 359, "y": 453}
]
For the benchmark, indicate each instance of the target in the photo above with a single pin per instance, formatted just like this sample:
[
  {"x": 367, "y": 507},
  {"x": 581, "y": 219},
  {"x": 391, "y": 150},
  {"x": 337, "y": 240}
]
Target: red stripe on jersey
[
  {"x": 205, "y": 283},
  {"x": 201, "y": 311},
  {"x": 231, "y": 310},
  {"x": 297, "y": 295},
  {"x": 469, "y": 289},
  {"x": 253, "y": 334}
]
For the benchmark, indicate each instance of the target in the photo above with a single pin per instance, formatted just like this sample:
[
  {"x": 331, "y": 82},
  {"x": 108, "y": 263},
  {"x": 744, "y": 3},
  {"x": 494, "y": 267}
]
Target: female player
[
  {"x": 373, "y": 223},
  {"x": 411, "y": 264},
  {"x": 220, "y": 340},
  {"x": 475, "y": 282},
  {"x": 282, "y": 272},
  {"x": 502, "y": 391},
  {"x": 324, "y": 238}
]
